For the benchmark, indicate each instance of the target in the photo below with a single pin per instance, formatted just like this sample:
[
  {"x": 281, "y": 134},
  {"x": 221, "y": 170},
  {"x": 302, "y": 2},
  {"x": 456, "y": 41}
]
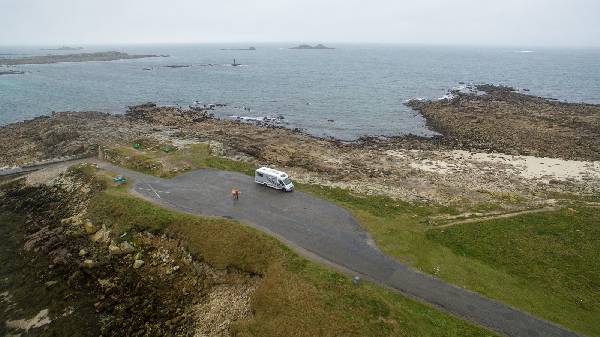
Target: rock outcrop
[
  {"x": 152, "y": 287},
  {"x": 452, "y": 166},
  {"x": 306, "y": 46},
  {"x": 499, "y": 119}
]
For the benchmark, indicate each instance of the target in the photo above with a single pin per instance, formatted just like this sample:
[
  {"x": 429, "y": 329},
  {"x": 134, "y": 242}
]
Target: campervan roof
[{"x": 270, "y": 171}]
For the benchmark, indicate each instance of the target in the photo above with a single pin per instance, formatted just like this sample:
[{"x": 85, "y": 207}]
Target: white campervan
[{"x": 273, "y": 178}]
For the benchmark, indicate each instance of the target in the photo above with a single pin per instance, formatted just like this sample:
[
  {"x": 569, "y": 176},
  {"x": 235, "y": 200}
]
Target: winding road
[{"x": 330, "y": 233}]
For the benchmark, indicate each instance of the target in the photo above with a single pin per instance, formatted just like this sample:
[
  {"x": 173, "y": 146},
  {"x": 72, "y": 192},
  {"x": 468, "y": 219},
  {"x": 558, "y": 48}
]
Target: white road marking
[{"x": 153, "y": 190}]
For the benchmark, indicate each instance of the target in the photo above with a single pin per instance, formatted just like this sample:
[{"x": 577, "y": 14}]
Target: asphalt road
[{"x": 331, "y": 233}]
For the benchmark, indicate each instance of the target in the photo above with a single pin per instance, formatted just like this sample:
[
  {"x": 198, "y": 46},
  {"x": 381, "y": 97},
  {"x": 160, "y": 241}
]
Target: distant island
[
  {"x": 306, "y": 46},
  {"x": 64, "y": 48},
  {"x": 85, "y": 57},
  {"x": 249, "y": 48},
  {"x": 11, "y": 72}
]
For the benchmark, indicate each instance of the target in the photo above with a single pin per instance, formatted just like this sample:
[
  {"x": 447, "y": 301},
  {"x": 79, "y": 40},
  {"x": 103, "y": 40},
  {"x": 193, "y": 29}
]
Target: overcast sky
[{"x": 455, "y": 22}]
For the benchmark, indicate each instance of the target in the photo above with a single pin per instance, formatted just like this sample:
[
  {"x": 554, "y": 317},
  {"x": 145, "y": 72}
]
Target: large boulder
[
  {"x": 137, "y": 264},
  {"x": 126, "y": 247},
  {"x": 101, "y": 236},
  {"x": 114, "y": 250},
  {"x": 89, "y": 227}
]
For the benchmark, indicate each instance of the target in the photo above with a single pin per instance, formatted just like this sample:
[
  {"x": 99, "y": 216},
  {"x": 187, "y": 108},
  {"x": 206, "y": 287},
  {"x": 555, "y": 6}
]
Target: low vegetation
[
  {"x": 551, "y": 252},
  {"x": 295, "y": 297},
  {"x": 165, "y": 160},
  {"x": 499, "y": 258},
  {"x": 518, "y": 260}
]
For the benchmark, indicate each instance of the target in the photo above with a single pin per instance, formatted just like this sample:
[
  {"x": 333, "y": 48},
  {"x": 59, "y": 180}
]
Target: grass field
[
  {"x": 152, "y": 159},
  {"x": 538, "y": 265},
  {"x": 545, "y": 263},
  {"x": 555, "y": 253},
  {"x": 295, "y": 297}
]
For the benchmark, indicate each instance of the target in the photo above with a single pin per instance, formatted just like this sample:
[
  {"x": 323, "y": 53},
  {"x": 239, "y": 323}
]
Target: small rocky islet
[
  {"x": 307, "y": 46},
  {"x": 11, "y": 72}
]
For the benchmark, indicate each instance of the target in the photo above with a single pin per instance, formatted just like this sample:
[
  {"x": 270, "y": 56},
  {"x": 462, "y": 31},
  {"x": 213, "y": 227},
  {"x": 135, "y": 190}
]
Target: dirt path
[{"x": 499, "y": 216}]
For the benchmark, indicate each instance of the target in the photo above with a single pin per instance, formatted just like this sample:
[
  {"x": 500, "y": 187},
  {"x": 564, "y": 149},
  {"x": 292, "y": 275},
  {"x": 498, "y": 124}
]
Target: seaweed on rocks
[{"x": 170, "y": 116}]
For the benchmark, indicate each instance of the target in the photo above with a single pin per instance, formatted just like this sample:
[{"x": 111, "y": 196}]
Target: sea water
[{"x": 347, "y": 92}]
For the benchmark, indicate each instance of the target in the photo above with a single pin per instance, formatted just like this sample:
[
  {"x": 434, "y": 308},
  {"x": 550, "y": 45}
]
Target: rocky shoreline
[
  {"x": 11, "y": 72},
  {"x": 476, "y": 130},
  {"x": 500, "y": 119}
]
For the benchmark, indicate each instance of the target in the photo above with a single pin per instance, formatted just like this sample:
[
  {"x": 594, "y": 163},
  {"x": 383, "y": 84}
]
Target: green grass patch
[
  {"x": 295, "y": 296},
  {"x": 135, "y": 160},
  {"x": 200, "y": 156},
  {"x": 380, "y": 205},
  {"x": 575, "y": 198},
  {"x": 154, "y": 159},
  {"x": 556, "y": 252}
]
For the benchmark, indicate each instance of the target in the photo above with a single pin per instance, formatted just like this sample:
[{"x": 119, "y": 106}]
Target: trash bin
[{"x": 119, "y": 180}]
